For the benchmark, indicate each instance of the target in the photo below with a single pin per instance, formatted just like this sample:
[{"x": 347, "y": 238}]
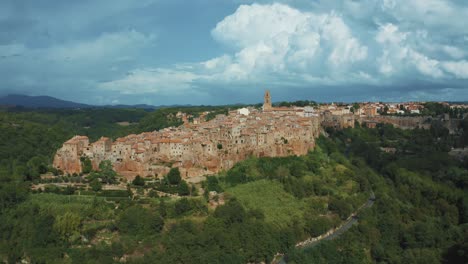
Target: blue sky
[{"x": 219, "y": 52}]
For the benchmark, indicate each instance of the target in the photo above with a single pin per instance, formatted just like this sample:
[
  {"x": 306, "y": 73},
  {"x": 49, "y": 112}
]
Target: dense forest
[{"x": 420, "y": 213}]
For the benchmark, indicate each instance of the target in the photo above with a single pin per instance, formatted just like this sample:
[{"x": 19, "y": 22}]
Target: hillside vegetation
[
  {"x": 279, "y": 207},
  {"x": 420, "y": 214}
]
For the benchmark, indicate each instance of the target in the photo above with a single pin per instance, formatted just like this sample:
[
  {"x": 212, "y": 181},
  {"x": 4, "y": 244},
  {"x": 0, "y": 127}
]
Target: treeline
[
  {"x": 300, "y": 103},
  {"x": 437, "y": 109}
]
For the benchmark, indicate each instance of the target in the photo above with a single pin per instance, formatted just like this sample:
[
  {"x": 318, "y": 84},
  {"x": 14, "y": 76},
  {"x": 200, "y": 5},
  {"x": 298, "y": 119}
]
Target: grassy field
[
  {"x": 280, "y": 207},
  {"x": 86, "y": 206}
]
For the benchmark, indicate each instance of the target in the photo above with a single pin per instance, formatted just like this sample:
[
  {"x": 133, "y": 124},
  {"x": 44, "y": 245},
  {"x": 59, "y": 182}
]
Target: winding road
[{"x": 331, "y": 234}]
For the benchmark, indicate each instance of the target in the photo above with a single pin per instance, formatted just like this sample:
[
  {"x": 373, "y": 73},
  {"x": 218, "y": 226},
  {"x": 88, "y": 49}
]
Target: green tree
[
  {"x": 174, "y": 176},
  {"x": 183, "y": 188},
  {"x": 385, "y": 110},
  {"x": 341, "y": 207},
  {"x": 67, "y": 224},
  {"x": 182, "y": 206},
  {"x": 318, "y": 226},
  {"x": 12, "y": 192},
  {"x": 35, "y": 167},
  {"x": 96, "y": 185},
  {"x": 106, "y": 172},
  {"x": 355, "y": 107},
  {"x": 212, "y": 184},
  {"x": 162, "y": 209},
  {"x": 153, "y": 194},
  {"x": 136, "y": 220},
  {"x": 282, "y": 172},
  {"x": 231, "y": 212},
  {"x": 86, "y": 166},
  {"x": 138, "y": 181}
]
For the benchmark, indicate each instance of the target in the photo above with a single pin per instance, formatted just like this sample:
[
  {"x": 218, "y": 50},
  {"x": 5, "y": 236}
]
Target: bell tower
[{"x": 267, "y": 101}]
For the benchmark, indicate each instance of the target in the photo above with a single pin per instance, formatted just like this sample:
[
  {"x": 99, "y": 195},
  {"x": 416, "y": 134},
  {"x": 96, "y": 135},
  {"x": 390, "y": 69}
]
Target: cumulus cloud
[
  {"x": 399, "y": 57},
  {"x": 272, "y": 43},
  {"x": 411, "y": 46},
  {"x": 281, "y": 45},
  {"x": 277, "y": 38}
]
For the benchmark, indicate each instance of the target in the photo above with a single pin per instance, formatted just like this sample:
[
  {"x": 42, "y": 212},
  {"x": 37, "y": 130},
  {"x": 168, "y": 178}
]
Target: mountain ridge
[{"x": 44, "y": 101}]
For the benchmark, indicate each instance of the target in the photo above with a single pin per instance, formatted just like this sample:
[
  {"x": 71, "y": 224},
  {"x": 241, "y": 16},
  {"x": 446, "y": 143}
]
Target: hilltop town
[{"x": 200, "y": 147}]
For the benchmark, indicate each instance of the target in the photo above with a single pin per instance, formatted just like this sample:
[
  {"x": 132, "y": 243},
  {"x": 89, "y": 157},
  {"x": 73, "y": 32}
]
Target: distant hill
[
  {"x": 26, "y": 101},
  {"x": 13, "y": 100},
  {"x": 38, "y": 102}
]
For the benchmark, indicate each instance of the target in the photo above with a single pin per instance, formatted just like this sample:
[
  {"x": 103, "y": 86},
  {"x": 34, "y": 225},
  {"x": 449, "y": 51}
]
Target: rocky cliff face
[
  {"x": 67, "y": 164},
  {"x": 67, "y": 158},
  {"x": 200, "y": 149}
]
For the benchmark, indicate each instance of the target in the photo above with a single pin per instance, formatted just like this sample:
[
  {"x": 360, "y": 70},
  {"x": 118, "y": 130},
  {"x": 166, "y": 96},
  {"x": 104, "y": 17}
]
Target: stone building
[
  {"x": 68, "y": 157},
  {"x": 267, "y": 101},
  {"x": 337, "y": 121},
  {"x": 201, "y": 148}
]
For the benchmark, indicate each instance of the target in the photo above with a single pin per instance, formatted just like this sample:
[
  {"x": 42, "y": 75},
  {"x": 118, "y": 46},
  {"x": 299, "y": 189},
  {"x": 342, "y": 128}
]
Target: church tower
[{"x": 267, "y": 101}]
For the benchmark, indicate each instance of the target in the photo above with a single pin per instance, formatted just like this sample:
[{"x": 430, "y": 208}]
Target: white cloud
[
  {"x": 281, "y": 45},
  {"x": 346, "y": 48},
  {"x": 251, "y": 24},
  {"x": 278, "y": 39},
  {"x": 148, "y": 80},
  {"x": 218, "y": 62},
  {"x": 394, "y": 52},
  {"x": 324, "y": 42},
  {"x": 454, "y": 52},
  {"x": 389, "y": 34},
  {"x": 457, "y": 68},
  {"x": 425, "y": 65},
  {"x": 442, "y": 14},
  {"x": 399, "y": 57}
]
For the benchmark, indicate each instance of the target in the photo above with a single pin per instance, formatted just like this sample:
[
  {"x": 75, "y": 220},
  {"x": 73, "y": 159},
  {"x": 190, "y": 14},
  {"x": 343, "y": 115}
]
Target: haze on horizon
[{"x": 219, "y": 52}]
